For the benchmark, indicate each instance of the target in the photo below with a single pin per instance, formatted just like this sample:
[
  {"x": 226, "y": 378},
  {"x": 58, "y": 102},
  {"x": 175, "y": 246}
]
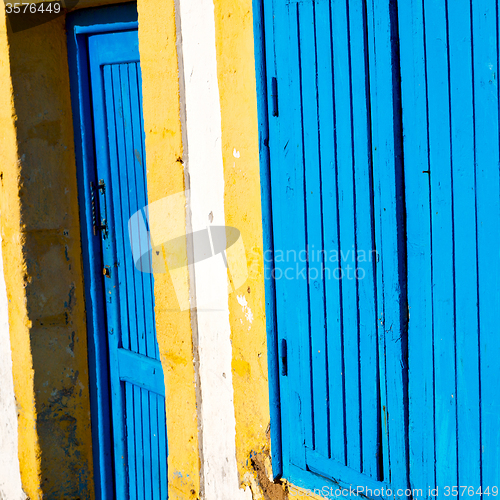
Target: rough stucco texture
[
  {"x": 242, "y": 205},
  {"x": 42, "y": 258},
  {"x": 165, "y": 175}
]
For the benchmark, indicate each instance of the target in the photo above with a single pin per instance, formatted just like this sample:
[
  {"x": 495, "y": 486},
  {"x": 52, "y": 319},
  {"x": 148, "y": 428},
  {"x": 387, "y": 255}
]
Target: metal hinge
[
  {"x": 284, "y": 358},
  {"x": 103, "y": 225}
]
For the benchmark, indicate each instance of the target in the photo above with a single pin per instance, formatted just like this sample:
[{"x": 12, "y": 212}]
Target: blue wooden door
[
  {"x": 384, "y": 179},
  {"x": 337, "y": 220},
  {"x": 137, "y": 390}
]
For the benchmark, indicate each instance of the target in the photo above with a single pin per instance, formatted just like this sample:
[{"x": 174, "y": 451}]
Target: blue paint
[
  {"x": 92, "y": 21},
  {"x": 267, "y": 234},
  {"x": 128, "y": 400},
  {"x": 386, "y": 139},
  {"x": 456, "y": 84},
  {"x": 486, "y": 133},
  {"x": 418, "y": 229},
  {"x": 321, "y": 188},
  {"x": 389, "y": 237},
  {"x": 331, "y": 229}
]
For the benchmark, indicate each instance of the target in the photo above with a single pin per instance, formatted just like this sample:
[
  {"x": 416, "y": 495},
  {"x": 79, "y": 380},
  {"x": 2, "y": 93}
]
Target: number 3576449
[{"x": 33, "y": 8}]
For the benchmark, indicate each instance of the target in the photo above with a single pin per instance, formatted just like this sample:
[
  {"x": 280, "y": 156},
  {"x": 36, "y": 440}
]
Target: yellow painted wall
[
  {"x": 165, "y": 174},
  {"x": 42, "y": 262},
  {"x": 236, "y": 75},
  {"x": 14, "y": 268},
  {"x": 242, "y": 205},
  {"x": 42, "y": 255}
]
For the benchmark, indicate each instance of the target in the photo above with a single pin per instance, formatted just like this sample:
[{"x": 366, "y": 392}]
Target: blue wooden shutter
[
  {"x": 384, "y": 135},
  {"x": 137, "y": 386},
  {"x": 336, "y": 182}
]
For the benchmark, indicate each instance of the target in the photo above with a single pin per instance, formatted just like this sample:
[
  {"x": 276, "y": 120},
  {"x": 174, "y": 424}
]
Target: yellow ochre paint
[
  {"x": 14, "y": 270},
  {"x": 242, "y": 206},
  {"x": 42, "y": 262},
  {"x": 165, "y": 177}
]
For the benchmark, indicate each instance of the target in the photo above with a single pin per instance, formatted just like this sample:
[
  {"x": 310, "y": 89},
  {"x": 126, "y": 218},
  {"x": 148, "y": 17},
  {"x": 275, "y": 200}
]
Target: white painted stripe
[
  {"x": 10, "y": 476},
  {"x": 202, "y": 142}
]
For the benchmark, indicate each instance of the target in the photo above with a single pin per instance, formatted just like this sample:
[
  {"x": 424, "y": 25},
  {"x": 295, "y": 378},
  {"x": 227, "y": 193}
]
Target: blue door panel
[
  {"x": 136, "y": 375},
  {"x": 325, "y": 188},
  {"x": 383, "y": 126}
]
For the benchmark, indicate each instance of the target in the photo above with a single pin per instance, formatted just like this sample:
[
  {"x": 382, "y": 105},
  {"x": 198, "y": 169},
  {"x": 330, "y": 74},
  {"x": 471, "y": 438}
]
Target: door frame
[
  {"x": 79, "y": 26},
  {"x": 259, "y": 14}
]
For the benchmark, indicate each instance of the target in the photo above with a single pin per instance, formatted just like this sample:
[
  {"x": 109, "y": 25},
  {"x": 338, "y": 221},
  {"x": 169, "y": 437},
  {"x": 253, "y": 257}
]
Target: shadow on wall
[{"x": 54, "y": 283}]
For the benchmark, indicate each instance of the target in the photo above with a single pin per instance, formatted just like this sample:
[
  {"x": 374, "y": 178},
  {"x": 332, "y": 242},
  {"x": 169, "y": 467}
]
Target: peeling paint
[{"x": 242, "y": 301}]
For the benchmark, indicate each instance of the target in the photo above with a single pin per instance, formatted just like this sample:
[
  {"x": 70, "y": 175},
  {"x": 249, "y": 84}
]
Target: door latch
[{"x": 102, "y": 225}]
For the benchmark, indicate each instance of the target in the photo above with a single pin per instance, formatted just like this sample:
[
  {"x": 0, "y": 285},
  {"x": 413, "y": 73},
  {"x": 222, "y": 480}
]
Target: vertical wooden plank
[
  {"x": 139, "y": 456},
  {"x": 143, "y": 278},
  {"x": 133, "y": 201},
  {"x": 485, "y": 18},
  {"x": 283, "y": 146},
  {"x": 329, "y": 196},
  {"x": 387, "y": 167},
  {"x": 162, "y": 441},
  {"x": 155, "y": 459},
  {"x": 385, "y": 473},
  {"x": 313, "y": 228},
  {"x": 146, "y": 443},
  {"x": 364, "y": 259},
  {"x": 465, "y": 238},
  {"x": 384, "y": 464},
  {"x": 436, "y": 39},
  {"x": 343, "y": 118},
  {"x": 114, "y": 192},
  {"x": 131, "y": 452},
  {"x": 419, "y": 248},
  {"x": 127, "y": 264}
]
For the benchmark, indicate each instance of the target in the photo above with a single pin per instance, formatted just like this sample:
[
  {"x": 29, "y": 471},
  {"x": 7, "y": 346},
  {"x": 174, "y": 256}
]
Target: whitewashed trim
[{"x": 200, "y": 103}]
